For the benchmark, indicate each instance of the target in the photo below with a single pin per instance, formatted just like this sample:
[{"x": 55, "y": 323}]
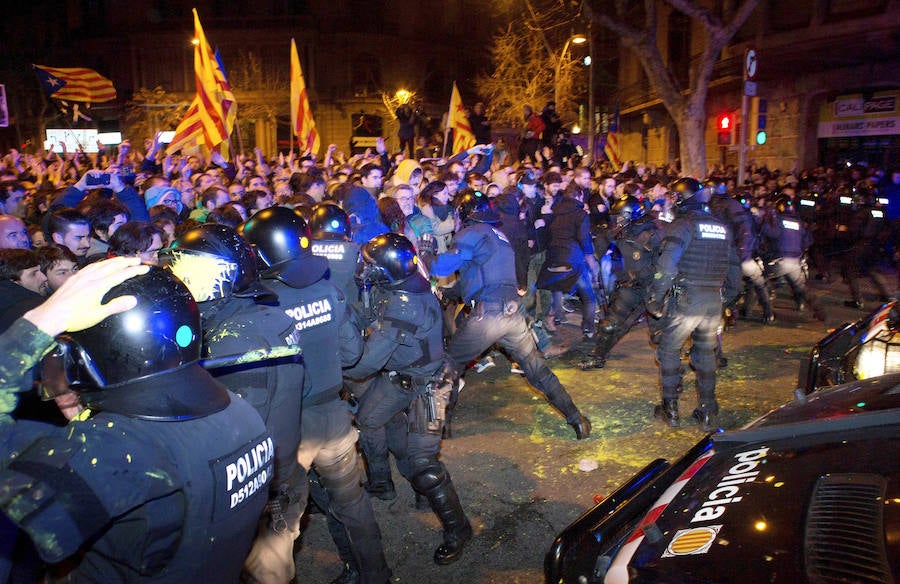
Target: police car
[
  {"x": 808, "y": 493},
  {"x": 863, "y": 349}
]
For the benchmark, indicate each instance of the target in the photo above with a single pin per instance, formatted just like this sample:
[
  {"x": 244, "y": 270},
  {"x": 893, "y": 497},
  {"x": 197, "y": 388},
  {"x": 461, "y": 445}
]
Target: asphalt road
[{"x": 518, "y": 467}]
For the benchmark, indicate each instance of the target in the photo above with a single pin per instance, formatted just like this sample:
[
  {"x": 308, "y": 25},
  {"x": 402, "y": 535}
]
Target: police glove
[
  {"x": 656, "y": 307},
  {"x": 427, "y": 246}
]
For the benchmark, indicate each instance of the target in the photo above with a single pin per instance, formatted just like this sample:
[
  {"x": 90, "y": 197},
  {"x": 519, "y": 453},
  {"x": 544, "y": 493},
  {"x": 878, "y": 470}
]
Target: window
[{"x": 680, "y": 46}]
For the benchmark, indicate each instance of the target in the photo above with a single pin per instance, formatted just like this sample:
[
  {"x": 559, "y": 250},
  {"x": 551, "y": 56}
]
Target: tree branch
[{"x": 701, "y": 13}]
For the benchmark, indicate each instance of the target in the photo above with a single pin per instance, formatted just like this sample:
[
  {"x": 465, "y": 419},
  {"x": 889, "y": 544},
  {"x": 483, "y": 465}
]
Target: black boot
[
  {"x": 582, "y": 427},
  {"x": 667, "y": 411},
  {"x": 706, "y": 415},
  {"x": 457, "y": 529}
]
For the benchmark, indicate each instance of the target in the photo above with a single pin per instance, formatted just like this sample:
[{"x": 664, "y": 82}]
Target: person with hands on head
[{"x": 144, "y": 481}]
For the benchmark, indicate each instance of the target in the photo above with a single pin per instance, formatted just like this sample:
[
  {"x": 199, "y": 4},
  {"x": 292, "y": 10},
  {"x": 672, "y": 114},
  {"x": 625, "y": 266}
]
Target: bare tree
[
  {"x": 526, "y": 57},
  {"x": 638, "y": 29},
  {"x": 152, "y": 110}
]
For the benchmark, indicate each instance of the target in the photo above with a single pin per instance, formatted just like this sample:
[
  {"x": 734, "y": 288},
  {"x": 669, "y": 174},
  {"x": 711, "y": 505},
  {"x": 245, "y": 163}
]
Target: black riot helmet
[
  {"x": 215, "y": 262},
  {"x": 329, "y": 222},
  {"x": 476, "y": 206},
  {"x": 281, "y": 240},
  {"x": 743, "y": 197},
  {"x": 716, "y": 185},
  {"x": 689, "y": 192},
  {"x": 142, "y": 362},
  {"x": 390, "y": 261},
  {"x": 626, "y": 209},
  {"x": 784, "y": 204}
]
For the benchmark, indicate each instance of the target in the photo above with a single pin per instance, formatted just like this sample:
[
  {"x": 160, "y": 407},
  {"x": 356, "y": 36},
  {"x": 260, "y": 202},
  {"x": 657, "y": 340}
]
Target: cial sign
[{"x": 751, "y": 64}]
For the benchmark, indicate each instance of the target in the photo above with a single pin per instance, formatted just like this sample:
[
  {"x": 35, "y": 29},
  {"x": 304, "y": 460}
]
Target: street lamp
[
  {"x": 578, "y": 39},
  {"x": 403, "y": 96}
]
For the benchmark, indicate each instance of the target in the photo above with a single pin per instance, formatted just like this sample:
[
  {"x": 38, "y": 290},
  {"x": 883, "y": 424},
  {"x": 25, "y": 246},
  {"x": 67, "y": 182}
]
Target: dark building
[
  {"x": 351, "y": 51},
  {"x": 828, "y": 75}
]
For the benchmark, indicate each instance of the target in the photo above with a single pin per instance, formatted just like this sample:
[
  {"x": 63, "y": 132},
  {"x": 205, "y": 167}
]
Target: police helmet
[
  {"x": 627, "y": 209},
  {"x": 742, "y": 196},
  {"x": 715, "y": 185},
  {"x": 280, "y": 238},
  {"x": 143, "y": 361},
  {"x": 327, "y": 221},
  {"x": 388, "y": 260},
  {"x": 215, "y": 262},
  {"x": 278, "y": 235},
  {"x": 476, "y": 206},
  {"x": 689, "y": 191},
  {"x": 784, "y": 204}
]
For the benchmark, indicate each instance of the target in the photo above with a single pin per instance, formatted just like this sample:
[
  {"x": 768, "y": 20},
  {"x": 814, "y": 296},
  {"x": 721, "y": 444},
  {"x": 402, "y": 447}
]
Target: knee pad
[
  {"x": 341, "y": 480},
  {"x": 428, "y": 473}
]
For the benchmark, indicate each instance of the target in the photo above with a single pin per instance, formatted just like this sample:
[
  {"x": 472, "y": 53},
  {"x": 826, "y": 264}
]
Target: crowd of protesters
[{"x": 63, "y": 210}]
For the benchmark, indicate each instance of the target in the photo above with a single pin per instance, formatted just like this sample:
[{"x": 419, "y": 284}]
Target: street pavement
[{"x": 522, "y": 476}]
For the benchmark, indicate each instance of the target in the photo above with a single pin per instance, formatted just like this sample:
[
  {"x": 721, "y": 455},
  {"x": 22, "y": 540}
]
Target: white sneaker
[
  {"x": 484, "y": 364},
  {"x": 514, "y": 368}
]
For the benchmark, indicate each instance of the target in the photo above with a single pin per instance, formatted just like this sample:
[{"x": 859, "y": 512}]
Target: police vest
[
  {"x": 638, "y": 245},
  {"x": 274, "y": 388},
  {"x": 154, "y": 501},
  {"x": 342, "y": 258},
  {"x": 704, "y": 261},
  {"x": 414, "y": 322},
  {"x": 791, "y": 239},
  {"x": 318, "y": 312}
]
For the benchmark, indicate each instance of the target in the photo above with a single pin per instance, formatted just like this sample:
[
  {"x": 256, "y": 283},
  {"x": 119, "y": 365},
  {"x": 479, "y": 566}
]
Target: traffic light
[
  {"x": 725, "y": 129},
  {"x": 758, "y": 109}
]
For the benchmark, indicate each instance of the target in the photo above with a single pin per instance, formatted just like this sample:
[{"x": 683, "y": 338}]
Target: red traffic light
[{"x": 725, "y": 130}]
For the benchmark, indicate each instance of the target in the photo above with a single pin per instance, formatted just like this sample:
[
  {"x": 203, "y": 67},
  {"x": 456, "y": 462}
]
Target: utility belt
[
  {"x": 481, "y": 308},
  {"x": 409, "y": 382},
  {"x": 635, "y": 282}
]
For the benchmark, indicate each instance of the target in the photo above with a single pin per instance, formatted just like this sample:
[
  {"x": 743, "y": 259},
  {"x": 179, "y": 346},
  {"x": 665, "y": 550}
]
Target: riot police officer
[
  {"x": 484, "y": 259},
  {"x": 870, "y": 230},
  {"x": 329, "y": 340},
  {"x": 789, "y": 239},
  {"x": 164, "y": 466},
  {"x": 696, "y": 259},
  {"x": 405, "y": 353},
  {"x": 329, "y": 226},
  {"x": 637, "y": 236},
  {"x": 731, "y": 211},
  {"x": 219, "y": 267}
]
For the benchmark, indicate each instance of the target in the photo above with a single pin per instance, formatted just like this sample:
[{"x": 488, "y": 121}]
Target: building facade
[
  {"x": 352, "y": 53},
  {"x": 828, "y": 74}
]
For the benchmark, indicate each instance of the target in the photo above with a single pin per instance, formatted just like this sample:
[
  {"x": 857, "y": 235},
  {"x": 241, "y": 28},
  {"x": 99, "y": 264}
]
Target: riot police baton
[{"x": 252, "y": 356}]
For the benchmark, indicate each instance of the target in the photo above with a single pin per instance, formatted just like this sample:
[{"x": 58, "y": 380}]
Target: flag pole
[
  {"x": 237, "y": 133},
  {"x": 447, "y": 125}
]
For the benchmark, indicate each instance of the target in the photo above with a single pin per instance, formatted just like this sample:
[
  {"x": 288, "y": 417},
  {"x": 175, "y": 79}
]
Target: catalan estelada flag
[
  {"x": 75, "y": 84},
  {"x": 612, "y": 142},
  {"x": 463, "y": 137},
  {"x": 302, "y": 123},
  {"x": 210, "y": 118}
]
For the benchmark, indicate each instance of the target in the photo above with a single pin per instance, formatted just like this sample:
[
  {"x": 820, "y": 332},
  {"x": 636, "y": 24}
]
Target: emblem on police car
[{"x": 696, "y": 540}]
